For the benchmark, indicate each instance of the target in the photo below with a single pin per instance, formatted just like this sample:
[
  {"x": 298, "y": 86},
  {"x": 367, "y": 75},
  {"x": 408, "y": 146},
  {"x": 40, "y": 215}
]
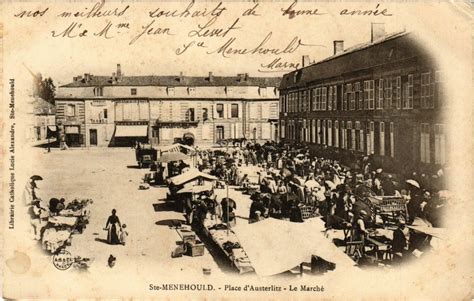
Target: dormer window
[
  {"x": 191, "y": 90},
  {"x": 98, "y": 91},
  {"x": 170, "y": 91},
  {"x": 229, "y": 90},
  {"x": 262, "y": 91},
  {"x": 133, "y": 91}
]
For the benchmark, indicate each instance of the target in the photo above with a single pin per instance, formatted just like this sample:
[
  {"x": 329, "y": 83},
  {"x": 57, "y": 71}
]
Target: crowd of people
[{"x": 292, "y": 184}]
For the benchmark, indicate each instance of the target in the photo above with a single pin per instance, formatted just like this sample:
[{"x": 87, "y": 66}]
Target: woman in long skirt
[{"x": 112, "y": 223}]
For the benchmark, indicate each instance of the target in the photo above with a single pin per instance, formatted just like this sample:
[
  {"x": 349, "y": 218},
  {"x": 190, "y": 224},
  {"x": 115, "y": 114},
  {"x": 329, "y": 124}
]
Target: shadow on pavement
[
  {"x": 170, "y": 222},
  {"x": 133, "y": 166},
  {"x": 101, "y": 240},
  {"x": 163, "y": 207}
]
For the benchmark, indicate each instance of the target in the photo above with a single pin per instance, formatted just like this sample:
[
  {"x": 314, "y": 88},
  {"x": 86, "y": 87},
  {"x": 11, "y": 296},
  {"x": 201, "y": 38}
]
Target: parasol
[
  {"x": 173, "y": 156},
  {"x": 36, "y": 178},
  {"x": 413, "y": 183}
]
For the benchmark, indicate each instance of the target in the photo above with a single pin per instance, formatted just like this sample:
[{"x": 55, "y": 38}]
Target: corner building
[{"x": 383, "y": 99}]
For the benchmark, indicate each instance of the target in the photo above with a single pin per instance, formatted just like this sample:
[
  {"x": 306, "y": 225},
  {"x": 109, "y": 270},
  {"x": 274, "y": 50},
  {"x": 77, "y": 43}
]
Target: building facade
[
  {"x": 383, "y": 99},
  {"x": 42, "y": 121},
  {"x": 118, "y": 110}
]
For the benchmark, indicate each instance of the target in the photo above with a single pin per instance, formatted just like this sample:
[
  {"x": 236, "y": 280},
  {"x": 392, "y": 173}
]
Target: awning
[
  {"x": 289, "y": 245},
  {"x": 52, "y": 128},
  {"x": 131, "y": 131},
  {"x": 176, "y": 148},
  {"x": 191, "y": 175},
  {"x": 71, "y": 129}
]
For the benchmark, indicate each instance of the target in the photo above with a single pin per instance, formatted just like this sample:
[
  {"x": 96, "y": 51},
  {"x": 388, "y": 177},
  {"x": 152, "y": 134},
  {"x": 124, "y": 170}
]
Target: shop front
[{"x": 127, "y": 134}]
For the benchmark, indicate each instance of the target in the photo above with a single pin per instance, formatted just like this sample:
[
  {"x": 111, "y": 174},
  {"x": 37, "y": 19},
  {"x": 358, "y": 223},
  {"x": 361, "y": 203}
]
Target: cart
[
  {"x": 389, "y": 208},
  {"x": 145, "y": 155}
]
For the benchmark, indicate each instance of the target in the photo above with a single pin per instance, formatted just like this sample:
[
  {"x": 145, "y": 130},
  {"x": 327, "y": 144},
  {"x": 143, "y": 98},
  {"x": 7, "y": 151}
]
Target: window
[
  {"x": 190, "y": 115},
  {"x": 220, "y": 132},
  {"x": 205, "y": 114},
  {"x": 425, "y": 143},
  {"x": 229, "y": 90},
  {"x": 220, "y": 110},
  {"x": 370, "y": 138},
  {"x": 318, "y": 131},
  {"x": 382, "y": 138},
  {"x": 323, "y": 98},
  {"x": 330, "y": 132},
  {"x": 105, "y": 113},
  {"x": 379, "y": 103},
  {"x": 133, "y": 91},
  {"x": 351, "y": 97},
  {"x": 318, "y": 99},
  {"x": 98, "y": 91},
  {"x": 440, "y": 144},
  {"x": 398, "y": 92},
  {"x": 282, "y": 129},
  {"x": 392, "y": 140},
  {"x": 330, "y": 95},
  {"x": 38, "y": 133},
  {"x": 369, "y": 94},
  {"x": 170, "y": 91},
  {"x": 426, "y": 95},
  {"x": 359, "y": 100},
  {"x": 336, "y": 133},
  {"x": 234, "y": 111},
  {"x": 191, "y": 90},
  {"x": 263, "y": 92},
  {"x": 408, "y": 100},
  {"x": 323, "y": 132},
  {"x": 359, "y": 137},
  {"x": 343, "y": 135},
  {"x": 388, "y": 93},
  {"x": 440, "y": 95},
  {"x": 70, "y": 110}
]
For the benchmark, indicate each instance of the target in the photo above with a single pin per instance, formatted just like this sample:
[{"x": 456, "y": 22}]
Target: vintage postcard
[{"x": 237, "y": 150}]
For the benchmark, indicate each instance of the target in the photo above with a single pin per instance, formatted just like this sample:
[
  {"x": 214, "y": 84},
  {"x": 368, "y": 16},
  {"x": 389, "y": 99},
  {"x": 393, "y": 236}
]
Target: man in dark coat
[{"x": 399, "y": 243}]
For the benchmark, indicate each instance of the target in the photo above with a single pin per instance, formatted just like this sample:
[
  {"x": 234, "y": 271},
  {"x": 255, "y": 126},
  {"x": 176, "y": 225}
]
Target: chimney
[
  {"x": 114, "y": 78},
  {"x": 87, "y": 77},
  {"x": 305, "y": 61},
  {"x": 181, "y": 77},
  {"x": 246, "y": 76},
  {"x": 338, "y": 46},
  {"x": 377, "y": 31},
  {"x": 211, "y": 77},
  {"x": 119, "y": 72}
]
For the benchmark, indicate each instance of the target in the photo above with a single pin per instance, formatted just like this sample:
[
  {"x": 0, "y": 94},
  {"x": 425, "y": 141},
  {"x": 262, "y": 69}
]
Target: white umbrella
[{"x": 413, "y": 183}]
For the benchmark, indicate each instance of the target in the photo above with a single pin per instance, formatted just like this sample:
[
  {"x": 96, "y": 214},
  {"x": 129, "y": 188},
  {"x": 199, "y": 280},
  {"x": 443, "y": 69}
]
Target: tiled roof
[
  {"x": 358, "y": 57},
  {"x": 42, "y": 107},
  {"x": 152, "y": 80}
]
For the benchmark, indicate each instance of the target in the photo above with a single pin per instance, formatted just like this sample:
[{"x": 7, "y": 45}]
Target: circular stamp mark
[{"x": 63, "y": 260}]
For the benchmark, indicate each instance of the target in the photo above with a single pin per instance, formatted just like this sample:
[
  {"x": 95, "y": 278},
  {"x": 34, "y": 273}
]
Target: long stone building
[
  {"x": 118, "y": 110},
  {"x": 383, "y": 98}
]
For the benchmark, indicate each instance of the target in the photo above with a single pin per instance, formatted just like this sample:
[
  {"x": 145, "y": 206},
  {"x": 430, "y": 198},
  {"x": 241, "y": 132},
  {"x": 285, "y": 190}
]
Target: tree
[{"x": 45, "y": 88}]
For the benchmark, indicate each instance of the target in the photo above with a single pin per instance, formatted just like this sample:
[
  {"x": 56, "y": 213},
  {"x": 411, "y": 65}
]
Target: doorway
[{"x": 93, "y": 137}]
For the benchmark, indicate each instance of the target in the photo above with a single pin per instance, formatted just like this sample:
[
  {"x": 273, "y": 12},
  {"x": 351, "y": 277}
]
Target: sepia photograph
[{"x": 269, "y": 150}]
